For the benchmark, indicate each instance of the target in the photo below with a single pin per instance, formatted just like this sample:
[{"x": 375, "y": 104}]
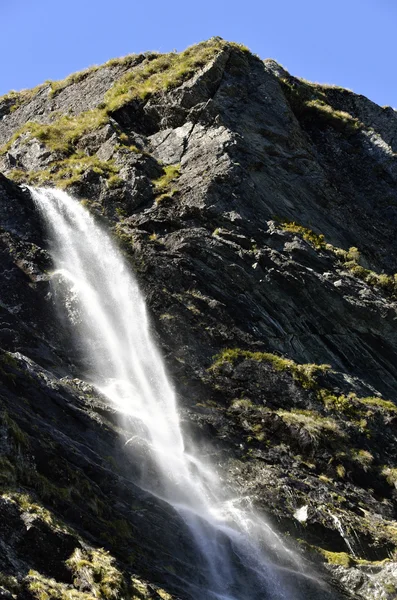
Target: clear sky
[{"x": 347, "y": 42}]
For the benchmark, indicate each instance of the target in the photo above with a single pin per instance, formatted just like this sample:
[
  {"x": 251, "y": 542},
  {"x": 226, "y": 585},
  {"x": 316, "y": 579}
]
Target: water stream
[{"x": 103, "y": 303}]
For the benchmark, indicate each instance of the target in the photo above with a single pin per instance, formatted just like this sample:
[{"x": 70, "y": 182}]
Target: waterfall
[{"x": 107, "y": 312}]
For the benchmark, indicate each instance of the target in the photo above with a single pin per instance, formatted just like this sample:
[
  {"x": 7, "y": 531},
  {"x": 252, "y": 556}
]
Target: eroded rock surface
[{"x": 218, "y": 185}]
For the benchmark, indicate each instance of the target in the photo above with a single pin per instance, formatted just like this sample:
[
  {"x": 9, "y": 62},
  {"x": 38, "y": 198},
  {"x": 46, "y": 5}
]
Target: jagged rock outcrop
[{"x": 259, "y": 213}]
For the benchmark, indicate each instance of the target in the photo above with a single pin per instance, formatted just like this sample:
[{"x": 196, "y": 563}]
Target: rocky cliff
[{"x": 259, "y": 213}]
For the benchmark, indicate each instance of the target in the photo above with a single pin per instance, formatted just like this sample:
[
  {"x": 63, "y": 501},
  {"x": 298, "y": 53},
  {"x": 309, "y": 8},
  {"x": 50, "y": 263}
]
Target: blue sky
[{"x": 346, "y": 42}]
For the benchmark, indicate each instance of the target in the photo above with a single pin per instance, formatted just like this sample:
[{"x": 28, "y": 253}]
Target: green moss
[
  {"x": 349, "y": 412},
  {"x": 341, "y": 403},
  {"x": 383, "y": 281},
  {"x": 125, "y": 61},
  {"x": 114, "y": 181},
  {"x": 379, "y": 403},
  {"x": 166, "y": 196},
  {"x": 139, "y": 588},
  {"x": 304, "y": 374},
  {"x": 96, "y": 569},
  {"x": 62, "y": 134},
  {"x": 64, "y": 173},
  {"x": 94, "y": 576},
  {"x": 163, "y": 594},
  {"x": 242, "y": 403},
  {"x": 325, "y": 479},
  {"x": 364, "y": 458},
  {"x": 309, "y": 102},
  {"x": 170, "y": 174},
  {"x": 44, "y": 588},
  {"x": 167, "y": 317},
  {"x": 352, "y": 405},
  {"x": 352, "y": 254},
  {"x": 390, "y": 474},
  {"x": 10, "y": 96},
  {"x": 17, "y": 99},
  {"x": 316, "y": 240},
  {"x": 316, "y": 425},
  {"x": 341, "y": 559},
  {"x": 348, "y": 258},
  {"x": 338, "y": 119},
  {"x": 28, "y": 505},
  {"x": 142, "y": 591},
  {"x": 361, "y": 413},
  {"x": 128, "y": 148}
]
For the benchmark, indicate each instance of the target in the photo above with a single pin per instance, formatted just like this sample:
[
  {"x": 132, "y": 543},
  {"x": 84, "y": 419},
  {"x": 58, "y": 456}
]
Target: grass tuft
[
  {"x": 316, "y": 425},
  {"x": 348, "y": 258},
  {"x": 64, "y": 173},
  {"x": 390, "y": 473},
  {"x": 58, "y": 86},
  {"x": 162, "y": 185},
  {"x": 95, "y": 569},
  {"x": 162, "y": 73},
  {"x": 309, "y": 102},
  {"x": 316, "y": 240},
  {"x": 341, "y": 559},
  {"x": 304, "y": 374},
  {"x": 17, "y": 99}
]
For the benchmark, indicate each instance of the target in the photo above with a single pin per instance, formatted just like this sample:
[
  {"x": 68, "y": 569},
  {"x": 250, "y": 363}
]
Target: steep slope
[{"x": 259, "y": 213}]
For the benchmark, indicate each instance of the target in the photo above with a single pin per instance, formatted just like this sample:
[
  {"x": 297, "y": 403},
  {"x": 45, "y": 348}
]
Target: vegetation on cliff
[
  {"x": 349, "y": 259},
  {"x": 157, "y": 73}
]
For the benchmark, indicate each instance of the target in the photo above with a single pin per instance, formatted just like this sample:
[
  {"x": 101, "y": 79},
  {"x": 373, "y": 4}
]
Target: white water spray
[{"x": 108, "y": 314}]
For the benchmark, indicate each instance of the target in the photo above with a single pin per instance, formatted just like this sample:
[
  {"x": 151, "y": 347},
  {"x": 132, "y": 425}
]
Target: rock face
[{"x": 259, "y": 213}]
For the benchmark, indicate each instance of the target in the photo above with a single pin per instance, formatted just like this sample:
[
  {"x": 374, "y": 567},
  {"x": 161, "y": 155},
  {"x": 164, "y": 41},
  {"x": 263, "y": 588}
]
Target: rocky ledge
[{"x": 259, "y": 213}]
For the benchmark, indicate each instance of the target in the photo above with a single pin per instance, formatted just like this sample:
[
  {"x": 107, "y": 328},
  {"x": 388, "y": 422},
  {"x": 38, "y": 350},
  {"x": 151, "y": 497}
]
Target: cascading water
[{"x": 108, "y": 313}]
